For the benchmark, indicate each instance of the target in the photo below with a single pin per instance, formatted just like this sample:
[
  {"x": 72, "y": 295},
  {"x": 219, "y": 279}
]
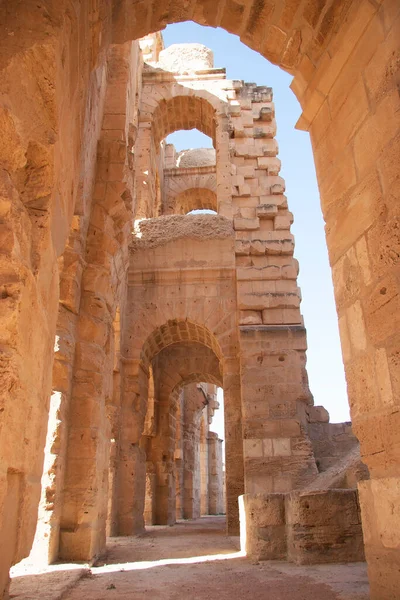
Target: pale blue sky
[{"x": 324, "y": 360}]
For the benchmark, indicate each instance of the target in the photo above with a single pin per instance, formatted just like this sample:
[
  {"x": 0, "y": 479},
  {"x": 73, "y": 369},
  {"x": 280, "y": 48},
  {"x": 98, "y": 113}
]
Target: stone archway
[
  {"x": 343, "y": 56},
  {"x": 191, "y": 111},
  {"x": 168, "y": 106},
  {"x": 278, "y": 31},
  {"x": 343, "y": 59},
  {"x": 176, "y": 366},
  {"x": 197, "y": 199},
  {"x": 194, "y": 199},
  {"x": 176, "y": 336}
]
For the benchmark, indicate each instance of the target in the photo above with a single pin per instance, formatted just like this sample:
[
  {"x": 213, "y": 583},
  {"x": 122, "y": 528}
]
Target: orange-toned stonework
[{"x": 115, "y": 304}]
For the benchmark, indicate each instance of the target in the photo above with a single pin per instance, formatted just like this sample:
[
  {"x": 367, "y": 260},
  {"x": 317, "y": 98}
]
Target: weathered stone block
[
  {"x": 324, "y": 527},
  {"x": 245, "y": 224},
  {"x": 250, "y": 317},
  {"x": 267, "y": 211},
  {"x": 317, "y": 414},
  {"x": 262, "y": 525}
]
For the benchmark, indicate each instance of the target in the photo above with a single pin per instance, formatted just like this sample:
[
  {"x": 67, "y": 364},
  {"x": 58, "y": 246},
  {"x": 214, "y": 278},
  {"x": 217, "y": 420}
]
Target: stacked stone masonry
[{"x": 96, "y": 297}]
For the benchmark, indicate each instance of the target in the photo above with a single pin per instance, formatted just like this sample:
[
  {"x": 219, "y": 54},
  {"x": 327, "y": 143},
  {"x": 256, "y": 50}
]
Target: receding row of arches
[
  {"x": 187, "y": 180},
  {"x": 175, "y": 359}
]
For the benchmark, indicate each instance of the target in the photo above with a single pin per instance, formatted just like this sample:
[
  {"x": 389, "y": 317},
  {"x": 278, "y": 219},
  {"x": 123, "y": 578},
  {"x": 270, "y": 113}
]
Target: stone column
[
  {"x": 233, "y": 445},
  {"x": 163, "y": 449},
  {"x": 215, "y": 493},
  {"x": 84, "y": 513},
  {"x": 132, "y": 458},
  {"x": 112, "y": 526},
  {"x": 274, "y": 387},
  {"x": 278, "y": 453},
  {"x": 83, "y": 522},
  {"x": 113, "y": 409},
  {"x": 179, "y": 458},
  {"x": 46, "y": 542},
  {"x": 204, "y": 476},
  {"x": 191, "y": 471},
  {"x": 150, "y": 493}
]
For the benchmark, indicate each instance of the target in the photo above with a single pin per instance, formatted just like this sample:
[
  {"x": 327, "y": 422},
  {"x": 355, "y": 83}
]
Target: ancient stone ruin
[{"x": 122, "y": 310}]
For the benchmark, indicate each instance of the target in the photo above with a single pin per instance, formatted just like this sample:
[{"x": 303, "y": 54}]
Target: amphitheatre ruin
[{"x": 137, "y": 280}]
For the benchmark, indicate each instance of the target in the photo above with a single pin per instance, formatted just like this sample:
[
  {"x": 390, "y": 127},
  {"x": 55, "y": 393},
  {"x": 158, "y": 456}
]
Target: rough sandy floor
[{"x": 195, "y": 561}]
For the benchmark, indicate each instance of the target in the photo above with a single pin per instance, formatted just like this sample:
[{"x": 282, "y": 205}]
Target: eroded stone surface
[
  {"x": 72, "y": 182},
  {"x": 186, "y": 58}
]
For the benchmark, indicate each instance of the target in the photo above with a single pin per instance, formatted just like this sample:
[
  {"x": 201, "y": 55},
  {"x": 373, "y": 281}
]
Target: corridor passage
[{"x": 193, "y": 560}]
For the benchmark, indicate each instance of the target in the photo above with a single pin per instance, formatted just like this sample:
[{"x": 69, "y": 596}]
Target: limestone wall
[
  {"x": 197, "y": 157},
  {"x": 303, "y": 527},
  {"x": 53, "y": 80},
  {"x": 50, "y": 129},
  {"x": 331, "y": 441},
  {"x": 185, "y": 58},
  {"x": 194, "y": 291}
]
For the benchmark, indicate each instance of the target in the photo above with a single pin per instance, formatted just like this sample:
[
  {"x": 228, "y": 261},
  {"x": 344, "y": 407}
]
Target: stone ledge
[{"x": 267, "y": 328}]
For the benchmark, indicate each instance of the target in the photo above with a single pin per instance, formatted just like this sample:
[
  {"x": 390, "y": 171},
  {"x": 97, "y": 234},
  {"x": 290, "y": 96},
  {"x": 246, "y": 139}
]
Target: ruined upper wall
[
  {"x": 158, "y": 232},
  {"x": 196, "y": 157},
  {"x": 189, "y": 158},
  {"x": 151, "y": 45},
  {"x": 186, "y": 58}
]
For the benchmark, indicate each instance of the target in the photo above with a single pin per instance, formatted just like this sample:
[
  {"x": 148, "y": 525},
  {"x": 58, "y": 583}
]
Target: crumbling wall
[
  {"x": 153, "y": 233},
  {"x": 192, "y": 285},
  {"x": 278, "y": 454},
  {"x": 196, "y": 157},
  {"x": 50, "y": 58},
  {"x": 305, "y": 527},
  {"x": 186, "y": 58},
  {"x": 95, "y": 393},
  {"x": 50, "y": 116}
]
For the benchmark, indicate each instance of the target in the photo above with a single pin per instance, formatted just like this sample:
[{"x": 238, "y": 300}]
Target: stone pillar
[
  {"x": 191, "y": 472},
  {"x": 274, "y": 387},
  {"x": 233, "y": 446},
  {"x": 179, "y": 457},
  {"x": 84, "y": 512},
  {"x": 179, "y": 483},
  {"x": 163, "y": 449},
  {"x": 150, "y": 493},
  {"x": 215, "y": 494},
  {"x": 132, "y": 458},
  {"x": 204, "y": 476},
  {"x": 114, "y": 416},
  {"x": 112, "y": 519},
  {"x": 46, "y": 542},
  {"x": 82, "y": 533},
  {"x": 278, "y": 453},
  {"x": 193, "y": 403}
]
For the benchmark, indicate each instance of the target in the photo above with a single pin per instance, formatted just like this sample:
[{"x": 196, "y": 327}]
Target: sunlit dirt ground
[{"x": 193, "y": 560}]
